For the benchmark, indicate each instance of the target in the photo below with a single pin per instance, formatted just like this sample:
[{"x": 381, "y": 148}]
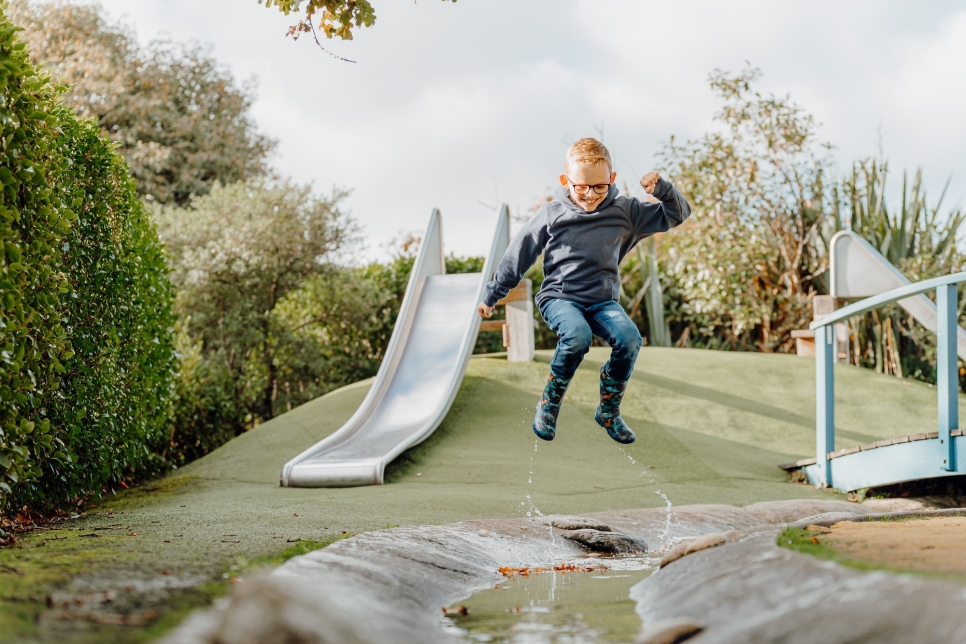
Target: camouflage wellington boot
[
  {"x": 545, "y": 420},
  {"x": 608, "y": 413}
]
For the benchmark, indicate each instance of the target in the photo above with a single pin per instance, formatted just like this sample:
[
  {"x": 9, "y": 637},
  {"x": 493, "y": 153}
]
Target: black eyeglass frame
[{"x": 584, "y": 188}]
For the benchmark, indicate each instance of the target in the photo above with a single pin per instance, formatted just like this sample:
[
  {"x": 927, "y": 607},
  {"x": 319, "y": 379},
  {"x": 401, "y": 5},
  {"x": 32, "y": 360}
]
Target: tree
[
  {"x": 180, "y": 120},
  {"x": 337, "y": 18},
  {"x": 764, "y": 202},
  {"x": 236, "y": 253}
]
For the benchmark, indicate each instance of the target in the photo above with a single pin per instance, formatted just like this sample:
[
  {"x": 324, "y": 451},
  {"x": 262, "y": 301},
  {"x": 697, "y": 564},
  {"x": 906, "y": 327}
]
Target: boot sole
[{"x": 543, "y": 436}]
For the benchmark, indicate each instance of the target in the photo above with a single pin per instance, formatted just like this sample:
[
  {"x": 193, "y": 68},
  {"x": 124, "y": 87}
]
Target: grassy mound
[{"x": 712, "y": 427}]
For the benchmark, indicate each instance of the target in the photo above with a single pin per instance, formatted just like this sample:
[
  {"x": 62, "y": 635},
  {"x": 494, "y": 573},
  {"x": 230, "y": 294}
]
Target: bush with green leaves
[
  {"x": 33, "y": 341},
  {"x": 236, "y": 254},
  {"x": 745, "y": 266},
  {"x": 86, "y": 354},
  {"x": 113, "y": 405}
]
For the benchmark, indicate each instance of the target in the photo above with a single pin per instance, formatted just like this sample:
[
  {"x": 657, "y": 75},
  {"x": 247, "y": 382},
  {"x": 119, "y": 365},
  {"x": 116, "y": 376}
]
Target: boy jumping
[{"x": 584, "y": 234}]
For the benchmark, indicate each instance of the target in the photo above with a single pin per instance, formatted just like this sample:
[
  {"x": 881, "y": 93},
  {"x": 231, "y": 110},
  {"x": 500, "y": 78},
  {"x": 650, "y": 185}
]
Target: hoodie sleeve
[
  {"x": 523, "y": 251},
  {"x": 649, "y": 218}
]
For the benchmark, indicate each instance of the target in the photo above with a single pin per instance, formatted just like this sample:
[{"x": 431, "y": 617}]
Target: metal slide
[
  {"x": 419, "y": 376},
  {"x": 860, "y": 271}
]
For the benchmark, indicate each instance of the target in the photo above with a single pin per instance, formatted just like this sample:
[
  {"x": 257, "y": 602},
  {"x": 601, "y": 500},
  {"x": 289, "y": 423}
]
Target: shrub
[
  {"x": 32, "y": 339},
  {"x": 206, "y": 412},
  {"x": 236, "y": 254},
  {"x": 114, "y": 401},
  {"x": 85, "y": 343}
]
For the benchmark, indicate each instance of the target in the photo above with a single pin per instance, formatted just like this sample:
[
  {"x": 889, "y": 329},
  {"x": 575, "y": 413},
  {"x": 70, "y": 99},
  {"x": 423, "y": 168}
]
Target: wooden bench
[
  {"x": 517, "y": 328},
  {"x": 822, "y": 305}
]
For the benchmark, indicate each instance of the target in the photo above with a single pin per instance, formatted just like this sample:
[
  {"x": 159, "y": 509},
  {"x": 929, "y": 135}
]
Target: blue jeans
[{"x": 576, "y": 325}]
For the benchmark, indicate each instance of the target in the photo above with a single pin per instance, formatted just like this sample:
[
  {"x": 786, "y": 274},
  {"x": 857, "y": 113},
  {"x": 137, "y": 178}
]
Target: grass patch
[
  {"x": 45, "y": 559},
  {"x": 808, "y": 542},
  {"x": 298, "y": 548}
]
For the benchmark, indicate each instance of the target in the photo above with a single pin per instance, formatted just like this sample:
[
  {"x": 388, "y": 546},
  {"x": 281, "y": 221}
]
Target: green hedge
[
  {"x": 32, "y": 223},
  {"x": 113, "y": 407},
  {"x": 86, "y": 352}
]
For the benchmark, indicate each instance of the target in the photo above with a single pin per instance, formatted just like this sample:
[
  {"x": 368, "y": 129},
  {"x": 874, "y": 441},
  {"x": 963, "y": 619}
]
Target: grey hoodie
[{"x": 582, "y": 250}]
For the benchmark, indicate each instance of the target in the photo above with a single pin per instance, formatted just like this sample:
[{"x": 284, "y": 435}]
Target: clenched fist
[
  {"x": 649, "y": 181},
  {"x": 484, "y": 310}
]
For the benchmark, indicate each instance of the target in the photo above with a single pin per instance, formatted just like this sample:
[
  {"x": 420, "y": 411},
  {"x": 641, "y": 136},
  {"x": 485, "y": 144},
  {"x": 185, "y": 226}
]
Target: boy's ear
[
  {"x": 613, "y": 176},
  {"x": 563, "y": 180}
]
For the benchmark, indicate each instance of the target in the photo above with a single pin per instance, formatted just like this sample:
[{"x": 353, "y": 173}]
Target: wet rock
[
  {"x": 826, "y": 519},
  {"x": 695, "y": 545},
  {"x": 754, "y": 591},
  {"x": 675, "y": 552},
  {"x": 575, "y": 523},
  {"x": 671, "y": 631},
  {"x": 266, "y": 610},
  {"x": 613, "y": 543},
  {"x": 780, "y": 512}
]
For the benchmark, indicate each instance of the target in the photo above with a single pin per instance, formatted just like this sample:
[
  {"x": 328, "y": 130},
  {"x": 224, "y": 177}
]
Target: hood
[{"x": 563, "y": 196}]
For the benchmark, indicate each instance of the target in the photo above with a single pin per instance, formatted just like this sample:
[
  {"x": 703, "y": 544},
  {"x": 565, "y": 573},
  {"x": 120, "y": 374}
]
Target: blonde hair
[{"x": 587, "y": 151}]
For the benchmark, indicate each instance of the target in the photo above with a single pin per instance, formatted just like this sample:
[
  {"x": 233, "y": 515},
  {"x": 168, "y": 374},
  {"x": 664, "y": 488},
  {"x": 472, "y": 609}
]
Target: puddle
[{"x": 557, "y": 607}]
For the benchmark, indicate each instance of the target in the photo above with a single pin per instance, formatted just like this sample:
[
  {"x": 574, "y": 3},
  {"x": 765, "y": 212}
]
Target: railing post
[
  {"x": 825, "y": 348},
  {"x": 947, "y": 372}
]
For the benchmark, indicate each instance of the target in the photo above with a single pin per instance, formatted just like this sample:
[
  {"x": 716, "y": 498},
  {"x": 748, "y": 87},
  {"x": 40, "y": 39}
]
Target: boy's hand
[
  {"x": 649, "y": 181},
  {"x": 484, "y": 310}
]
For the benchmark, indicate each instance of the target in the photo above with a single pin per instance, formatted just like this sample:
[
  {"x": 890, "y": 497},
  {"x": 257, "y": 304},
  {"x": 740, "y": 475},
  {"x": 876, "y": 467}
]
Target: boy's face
[{"x": 581, "y": 178}]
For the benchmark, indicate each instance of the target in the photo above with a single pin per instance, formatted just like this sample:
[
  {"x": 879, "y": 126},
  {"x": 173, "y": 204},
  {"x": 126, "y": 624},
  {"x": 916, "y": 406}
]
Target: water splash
[
  {"x": 665, "y": 535},
  {"x": 532, "y": 509}
]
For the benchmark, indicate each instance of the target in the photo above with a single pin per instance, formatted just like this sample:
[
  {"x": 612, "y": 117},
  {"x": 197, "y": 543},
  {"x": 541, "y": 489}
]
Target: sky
[{"x": 464, "y": 106}]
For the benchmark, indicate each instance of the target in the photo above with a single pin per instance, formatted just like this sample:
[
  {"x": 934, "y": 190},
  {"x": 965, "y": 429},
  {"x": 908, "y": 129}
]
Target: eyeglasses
[{"x": 583, "y": 188}]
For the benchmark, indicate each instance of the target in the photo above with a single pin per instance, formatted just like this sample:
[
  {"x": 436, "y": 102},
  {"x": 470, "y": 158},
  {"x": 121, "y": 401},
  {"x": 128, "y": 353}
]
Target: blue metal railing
[{"x": 947, "y": 373}]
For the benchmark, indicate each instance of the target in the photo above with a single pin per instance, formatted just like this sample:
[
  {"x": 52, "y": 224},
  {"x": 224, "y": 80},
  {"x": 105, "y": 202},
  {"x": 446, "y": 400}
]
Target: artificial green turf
[{"x": 712, "y": 428}]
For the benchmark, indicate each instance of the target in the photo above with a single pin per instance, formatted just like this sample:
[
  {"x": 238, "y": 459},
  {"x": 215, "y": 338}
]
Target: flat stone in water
[
  {"x": 564, "y": 522},
  {"x": 673, "y": 631},
  {"x": 613, "y": 543}
]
